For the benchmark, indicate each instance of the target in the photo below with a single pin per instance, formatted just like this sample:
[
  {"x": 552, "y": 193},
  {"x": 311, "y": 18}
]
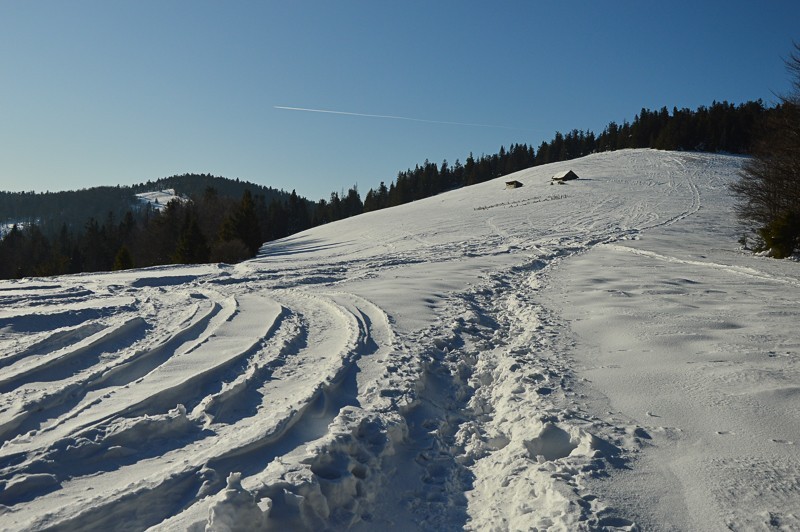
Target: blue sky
[{"x": 103, "y": 93}]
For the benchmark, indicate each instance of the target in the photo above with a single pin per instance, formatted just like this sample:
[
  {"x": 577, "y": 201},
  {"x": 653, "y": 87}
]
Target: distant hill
[
  {"x": 50, "y": 210},
  {"x": 196, "y": 184}
]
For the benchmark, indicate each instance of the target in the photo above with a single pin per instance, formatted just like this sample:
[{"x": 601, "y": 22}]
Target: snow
[
  {"x": 6, "y": 227},
  {"x": 597, "y": 355},
  {"x": 159, "y": 199}
]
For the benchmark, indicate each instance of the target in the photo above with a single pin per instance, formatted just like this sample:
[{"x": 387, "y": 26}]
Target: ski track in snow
[{"x": 408, "y": 368}]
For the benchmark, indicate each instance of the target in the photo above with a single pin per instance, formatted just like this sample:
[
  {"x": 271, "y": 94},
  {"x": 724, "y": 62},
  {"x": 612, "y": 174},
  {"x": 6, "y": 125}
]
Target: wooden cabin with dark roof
[{"x": 566, "y": 175}]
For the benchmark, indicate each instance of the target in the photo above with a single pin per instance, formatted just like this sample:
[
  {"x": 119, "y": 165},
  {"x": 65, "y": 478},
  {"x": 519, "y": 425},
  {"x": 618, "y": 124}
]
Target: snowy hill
[{"x": 591, "y": 355}]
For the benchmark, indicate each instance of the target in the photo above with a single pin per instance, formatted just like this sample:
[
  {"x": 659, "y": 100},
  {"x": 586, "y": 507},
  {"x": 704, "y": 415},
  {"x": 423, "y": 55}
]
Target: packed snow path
[{"x": 594, "y": 355}]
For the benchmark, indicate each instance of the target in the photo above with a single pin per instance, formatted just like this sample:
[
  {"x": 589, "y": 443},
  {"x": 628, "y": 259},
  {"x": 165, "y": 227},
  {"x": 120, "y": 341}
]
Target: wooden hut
[
  {"x": 513, "y": 184},
  {"x": 566, "y": 175}
]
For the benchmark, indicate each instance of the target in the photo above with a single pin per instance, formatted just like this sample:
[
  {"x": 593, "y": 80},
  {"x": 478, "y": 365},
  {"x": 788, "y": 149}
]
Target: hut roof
[{"x": 565, "y": 175}]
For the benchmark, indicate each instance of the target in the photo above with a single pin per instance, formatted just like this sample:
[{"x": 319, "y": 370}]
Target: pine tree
[
  {"x": 12, "y": 249},
  {"x": 242, "y": 224},
  {"x": 352, "y": 205},
  {"x": 123, "y": 259},
  {"x": 192, "y": 246},
  {"x": 297, "y": 213}
]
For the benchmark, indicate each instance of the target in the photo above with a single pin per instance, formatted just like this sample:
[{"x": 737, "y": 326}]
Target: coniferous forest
[{"x": 224, "y": 220}]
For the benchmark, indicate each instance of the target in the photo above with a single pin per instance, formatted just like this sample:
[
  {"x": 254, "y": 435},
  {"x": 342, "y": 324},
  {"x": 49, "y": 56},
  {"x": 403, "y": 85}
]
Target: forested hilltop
[
  {"x": 51, "y": 210},
  {"x": 722, "y": 127},
  {"x": 108, "y": 228},
  {"x": 226, "y": 220}
]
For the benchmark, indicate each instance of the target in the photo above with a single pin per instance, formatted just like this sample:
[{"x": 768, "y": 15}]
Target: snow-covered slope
[
  {"x": 590, "y": 355},
  {"x": 6, "y": 228},
  {"x": 158, "y": 199}
]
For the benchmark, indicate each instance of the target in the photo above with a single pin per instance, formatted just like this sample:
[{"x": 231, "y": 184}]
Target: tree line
[
  {"x": 207, "y": 228},
  {"x": 215, "y": 226},
  {"x": 722, "y": 127},
  {"x": 50, "y": 210}
]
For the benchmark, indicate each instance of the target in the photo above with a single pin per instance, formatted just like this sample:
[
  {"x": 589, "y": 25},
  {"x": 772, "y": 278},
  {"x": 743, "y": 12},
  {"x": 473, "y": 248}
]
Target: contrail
[{"x": 392, "y": 117}]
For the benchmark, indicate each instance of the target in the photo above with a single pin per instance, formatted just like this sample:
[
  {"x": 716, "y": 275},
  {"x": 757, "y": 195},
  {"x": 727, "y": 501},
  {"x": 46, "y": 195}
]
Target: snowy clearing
[
  {"x": 592, "y": 355},
  {"x": 158, "y": 199}
]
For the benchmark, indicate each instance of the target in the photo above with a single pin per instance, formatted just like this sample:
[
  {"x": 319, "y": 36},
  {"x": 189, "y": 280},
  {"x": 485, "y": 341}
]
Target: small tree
[
  {"x": 123, "y": 259},
  {"x": 769, "y": 188},
  {"x": 230, "y": 251}
]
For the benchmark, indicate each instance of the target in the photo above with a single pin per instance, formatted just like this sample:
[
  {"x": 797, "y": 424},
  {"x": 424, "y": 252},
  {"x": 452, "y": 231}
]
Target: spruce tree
[
  {"x": 242, "y": 224},
  {"x": 123, "y": 259},
  {"x": 192, "y": 246}
]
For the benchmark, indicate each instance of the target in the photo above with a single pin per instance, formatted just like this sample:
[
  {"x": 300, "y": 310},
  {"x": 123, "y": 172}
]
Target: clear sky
[{"x": 98, "y": 92}]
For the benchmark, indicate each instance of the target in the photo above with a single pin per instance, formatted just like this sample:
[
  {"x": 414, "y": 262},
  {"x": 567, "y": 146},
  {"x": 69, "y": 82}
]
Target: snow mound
[
  {"x": 552, "y": 443},
  {"x": 236, "y": 510},
  {"x": 333, "y": 481}
]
